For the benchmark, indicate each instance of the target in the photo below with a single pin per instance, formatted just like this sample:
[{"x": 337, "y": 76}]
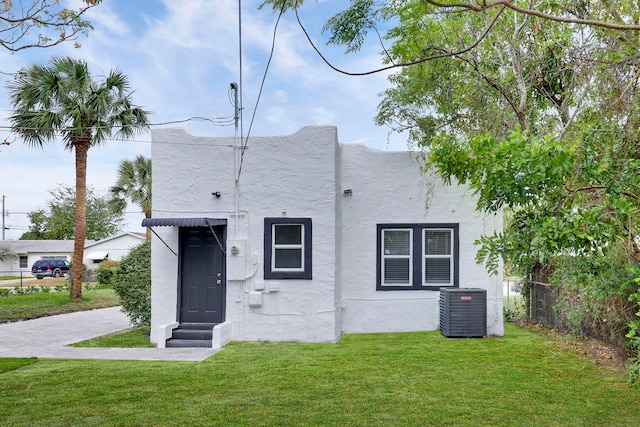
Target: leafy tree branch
[
  {"x": 59, "y": 223},
  {"x": 41, "y": 24},
  {"x": 6, "y": 253},
  {"x": 482, "y": 7}
]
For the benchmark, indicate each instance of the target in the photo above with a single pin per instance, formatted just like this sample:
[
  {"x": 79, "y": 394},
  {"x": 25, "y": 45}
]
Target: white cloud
[{"x": 180, "y": 57}]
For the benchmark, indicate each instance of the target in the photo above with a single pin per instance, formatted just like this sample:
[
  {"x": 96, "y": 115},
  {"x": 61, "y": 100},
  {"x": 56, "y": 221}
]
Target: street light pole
[{"x": 3, "y": 217}]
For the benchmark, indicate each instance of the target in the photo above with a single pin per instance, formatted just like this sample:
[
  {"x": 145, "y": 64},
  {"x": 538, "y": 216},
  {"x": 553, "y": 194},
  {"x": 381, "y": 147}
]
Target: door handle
[{"x": 218, "y": 282}]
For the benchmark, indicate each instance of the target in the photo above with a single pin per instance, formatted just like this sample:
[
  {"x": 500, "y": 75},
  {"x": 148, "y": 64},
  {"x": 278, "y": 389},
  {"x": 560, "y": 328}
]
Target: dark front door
[{"x": 202, "y": 275}]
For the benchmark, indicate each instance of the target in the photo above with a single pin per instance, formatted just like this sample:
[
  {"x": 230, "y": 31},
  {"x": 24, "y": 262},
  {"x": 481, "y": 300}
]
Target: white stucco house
[
  {"x": 30, "y": 251},
  {"x": 113, "y": 248},
  {"x": 302, "y": 238}
]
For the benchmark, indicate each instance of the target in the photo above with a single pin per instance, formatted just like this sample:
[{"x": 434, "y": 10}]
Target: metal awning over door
[
  {"x": 97, "y": 255},
  {"x": 183, "y": 222}
]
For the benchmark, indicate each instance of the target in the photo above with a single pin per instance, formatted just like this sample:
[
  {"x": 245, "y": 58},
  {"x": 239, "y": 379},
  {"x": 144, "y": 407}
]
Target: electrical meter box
[{"x": 236, "y": 259}]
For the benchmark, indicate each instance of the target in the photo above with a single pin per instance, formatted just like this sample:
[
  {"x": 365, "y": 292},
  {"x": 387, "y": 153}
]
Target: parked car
[{"x": 50, "y": 268}]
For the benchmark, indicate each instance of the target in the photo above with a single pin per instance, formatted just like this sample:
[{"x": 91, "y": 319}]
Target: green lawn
[
  {"x": 402, "y": 379},
  {"x": 134, "y": 338},
  {"x": 31, "y": 306}
]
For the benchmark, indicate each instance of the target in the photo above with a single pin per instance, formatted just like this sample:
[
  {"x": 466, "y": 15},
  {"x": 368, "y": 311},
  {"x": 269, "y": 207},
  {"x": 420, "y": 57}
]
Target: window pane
[
  {"x": 288, "y": 258},
  {"x": 397, "y": 242},
  {"x": 437, "y": 270},
  {"x": 23, "y": 261},
  {"x": 437, "y": 242},
  {"x": 288, "y": 234},
  {"x": 396, "y": 270}
]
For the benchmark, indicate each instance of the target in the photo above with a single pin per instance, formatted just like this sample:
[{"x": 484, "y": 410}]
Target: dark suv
[{"x": 50, "y": 268}]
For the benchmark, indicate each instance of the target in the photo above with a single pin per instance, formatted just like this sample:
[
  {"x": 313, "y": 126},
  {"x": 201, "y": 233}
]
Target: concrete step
[
  {"x": 180, "y": 343},
  {"x": 202, "y": 326},
  {"x": 192, "y": 334}
]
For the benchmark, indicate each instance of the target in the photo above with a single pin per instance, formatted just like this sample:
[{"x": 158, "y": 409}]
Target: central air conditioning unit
[{"x": 463, "y": 312}]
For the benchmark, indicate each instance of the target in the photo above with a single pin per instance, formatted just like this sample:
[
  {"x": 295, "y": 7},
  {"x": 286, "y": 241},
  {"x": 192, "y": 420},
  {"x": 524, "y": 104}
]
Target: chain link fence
[
  {"x": 543, "y": 299},
  {"x": 16, "y": 278}
]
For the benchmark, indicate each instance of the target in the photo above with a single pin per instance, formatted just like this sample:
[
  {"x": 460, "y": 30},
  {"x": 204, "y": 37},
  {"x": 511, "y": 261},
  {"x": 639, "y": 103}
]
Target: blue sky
[{"x": 180, "y": 57}]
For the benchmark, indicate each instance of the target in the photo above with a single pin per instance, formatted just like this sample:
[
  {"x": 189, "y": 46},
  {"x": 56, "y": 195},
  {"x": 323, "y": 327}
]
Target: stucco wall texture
[{"x": 304, "y": 175}]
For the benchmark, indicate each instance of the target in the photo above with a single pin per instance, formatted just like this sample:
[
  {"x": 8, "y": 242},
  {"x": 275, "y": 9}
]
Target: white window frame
[
  {"x": 276, "y": 246},
  {"x": 418, "y": 256},
  {"x": 425, "y": 256},
  {"x": 386, "y": 256},
  {"x": 304, "y": 272}
]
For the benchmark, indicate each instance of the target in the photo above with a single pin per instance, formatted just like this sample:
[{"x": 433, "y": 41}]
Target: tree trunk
[
  {"x": 148, "y": 215},
  {"x": 81, "y": 146}
]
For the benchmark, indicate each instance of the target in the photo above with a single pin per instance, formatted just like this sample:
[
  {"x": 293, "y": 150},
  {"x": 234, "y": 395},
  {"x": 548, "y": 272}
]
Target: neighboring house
[
  {"x": 317, "y": 239},
  {"x": 113, "y": 248},
  {"x": 30, "y": 251}
]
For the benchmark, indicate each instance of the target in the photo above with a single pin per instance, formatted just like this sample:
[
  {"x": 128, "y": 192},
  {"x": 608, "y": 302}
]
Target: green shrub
[
  {"x": 510, "y": 315},
  {"x": 633, "y": 373},
  {"x": 107, "y": 263},
  {"x": 105, "y": 271},
  {"x": 61, "y": 288},
  {"x": 132, "y": 283}
]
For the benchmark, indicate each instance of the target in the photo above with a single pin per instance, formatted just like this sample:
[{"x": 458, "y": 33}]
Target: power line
[
  {"x": 219, "y": 121},
  {"x": 405, "y": 64},
  {"x": 264, "y": 78},
  {"x": 148, "y": 141},
  {"x": 9, "y": 213}
]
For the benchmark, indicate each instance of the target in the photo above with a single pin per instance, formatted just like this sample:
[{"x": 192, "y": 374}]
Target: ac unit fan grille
[{"x": 463, "y": 312}]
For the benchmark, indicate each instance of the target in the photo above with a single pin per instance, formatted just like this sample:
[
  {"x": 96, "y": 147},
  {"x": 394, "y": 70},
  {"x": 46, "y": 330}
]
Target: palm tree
[
  {"x": 133, "y": 184},
  {"x": 60, "y": 97}
]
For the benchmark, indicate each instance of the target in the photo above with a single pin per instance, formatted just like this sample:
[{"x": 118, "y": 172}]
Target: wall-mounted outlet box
[
  {"x": 274, "y": 287},
  {"x": 255, "y": 299}
]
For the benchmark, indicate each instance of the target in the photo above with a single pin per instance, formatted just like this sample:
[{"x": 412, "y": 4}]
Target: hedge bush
[
  {"x": 105, "y": 271},
  {"x": 132, "y": 283},
  {"x": 108, "y": 263}
]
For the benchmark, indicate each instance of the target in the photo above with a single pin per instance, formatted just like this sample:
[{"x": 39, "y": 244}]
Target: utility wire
[
  {"x": 148, "y": 141},
  {"x": 219, "y": 121},
  {"x": 264, "y": 77},
  {"x": 405, "y": 64}
]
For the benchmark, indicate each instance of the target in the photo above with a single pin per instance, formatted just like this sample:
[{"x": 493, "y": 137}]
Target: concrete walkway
[{"x": 48, "y": 337}]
